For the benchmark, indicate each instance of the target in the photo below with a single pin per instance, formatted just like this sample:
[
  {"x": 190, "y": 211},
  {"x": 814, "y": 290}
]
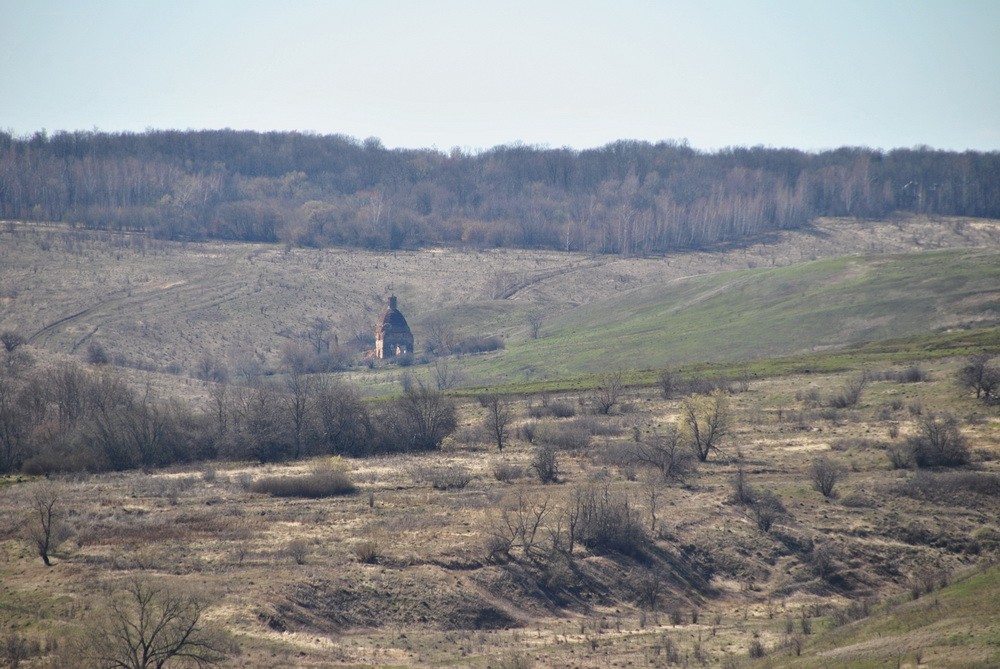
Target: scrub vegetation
[{"x": 711, "y": 464}]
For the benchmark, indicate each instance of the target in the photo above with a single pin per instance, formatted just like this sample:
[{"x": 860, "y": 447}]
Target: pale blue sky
[{"x": 805, "y": 74}]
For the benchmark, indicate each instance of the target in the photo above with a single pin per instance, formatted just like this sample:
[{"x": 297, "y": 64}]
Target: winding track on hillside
[{"x": 207, "y": 291}]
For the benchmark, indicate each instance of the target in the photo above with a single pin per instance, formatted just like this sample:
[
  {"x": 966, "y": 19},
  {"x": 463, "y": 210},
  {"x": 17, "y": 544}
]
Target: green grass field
[{"x": 754, "y": 314}]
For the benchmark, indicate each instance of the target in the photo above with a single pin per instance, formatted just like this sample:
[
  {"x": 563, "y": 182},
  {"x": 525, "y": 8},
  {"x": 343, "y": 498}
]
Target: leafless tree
[
  {"x": 45, "y": 529},
  {"x": 298, "y": 400},
  {"x": 535, "y": 321},
  {"x": 317, "y": 334},
  {"x": 446, "y": 376},
  {"x": 667, "y": 383},
  {"x": 440, "y": 338},
  {"x": 980, "y": 375},
  {"x": 609, "y": 390},
  {"x": 499, "y": 416},
  {"x": 519, "y": 523},
  {"x": 704, "y": 422},
  {"x": 668, "y": 453},
  {"x": 150, "y": 627},
  {"x": 427, "y": 416},
  {"x": 343, "y": 419},
  {"x": 16, "y": 420}
]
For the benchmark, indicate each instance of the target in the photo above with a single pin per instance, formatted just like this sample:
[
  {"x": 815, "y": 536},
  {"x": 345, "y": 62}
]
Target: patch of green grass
[
  {"x": 768, "y": 314},
  {"x": 956, "y": 626},
  {"x": 856, "y": 357}
]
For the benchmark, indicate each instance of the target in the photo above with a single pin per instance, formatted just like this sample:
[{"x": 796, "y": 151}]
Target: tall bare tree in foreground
[
  {"x": 150, "y": 627},
  {"x": 45, "y": 529}
]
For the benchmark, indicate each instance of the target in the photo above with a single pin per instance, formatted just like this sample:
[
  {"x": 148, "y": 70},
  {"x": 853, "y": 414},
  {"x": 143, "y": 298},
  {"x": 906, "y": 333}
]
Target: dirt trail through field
[{"x": 209, "y": 290}]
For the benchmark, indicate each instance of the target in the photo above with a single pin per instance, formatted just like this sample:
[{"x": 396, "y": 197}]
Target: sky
[{"x": 472, "y": 74}]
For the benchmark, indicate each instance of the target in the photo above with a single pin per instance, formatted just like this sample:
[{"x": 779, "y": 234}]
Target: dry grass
[
  {"x": 164, "y": 307},
  {"x": 399, "y": 574}
]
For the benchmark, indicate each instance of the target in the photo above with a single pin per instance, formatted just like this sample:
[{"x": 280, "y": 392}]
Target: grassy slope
[
  {"x": 753, "y": 314},
  {"x": 958, "y": 626}
]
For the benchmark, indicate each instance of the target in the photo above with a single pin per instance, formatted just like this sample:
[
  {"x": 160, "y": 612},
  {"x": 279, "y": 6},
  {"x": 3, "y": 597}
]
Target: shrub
[
  {"x": 901, "y": 457},
  {"x": 954, "y": 485},
  {"x": 505, "y": 472},
  {"x": 447, "y": 478},
  {"x": 367, "y": 551},
  {"x": 479, "y": 345},
  {"x": 608, "y": 522},
  {"x": 825, "y": 474},
  {"x": 327, "y": 480},
  {"x": 850, "y": 394},
  {"x": 561, "y": 409},
  {"x": 528, "y": 431},
  {"x": 96, "y": 355},
  {"x": 766, "y": 510},
  {"x": 545, "y": 464},
  {"x": 298, "y": 549},
  {"x": 939, "y": 442},
  {"x": 912, "y": 374},
  {"x": 743, "y": 492},
  {"x": 564, "y": 436}
]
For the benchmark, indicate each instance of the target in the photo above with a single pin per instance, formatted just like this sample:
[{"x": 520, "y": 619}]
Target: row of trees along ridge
[{"x": 628, "y": 197}]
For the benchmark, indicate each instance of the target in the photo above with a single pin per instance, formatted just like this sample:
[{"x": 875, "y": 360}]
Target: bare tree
[
  {"x": 535, "y": 321},
  {"x": 667, "y": 383},
  {"x": 825, "y": 474},
  {"x": 427, "y": 416},
  {"x": 16, "y": 420},
  {"x": 446, "y": 376},
  {"x": 440, "y": 338},
  {"x": 46, "y": 529},
  {"x": 980, "y": 375},
  {"x": 343, "y": 418},
  {"x": 939, "y": 442},
  {"x": 704, "y": 422},
  {"x": 668, "y": 454},
  {"x": 298, "y": 401},
  {"x": 499, "y": 416},
  {"x": 609, "y": 390},
  {"x": 149, "y": 627},
  {"x": 317, "y": 334}
]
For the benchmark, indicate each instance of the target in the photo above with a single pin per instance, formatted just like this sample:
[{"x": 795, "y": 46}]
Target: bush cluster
[{"x": 325, "y": 480}]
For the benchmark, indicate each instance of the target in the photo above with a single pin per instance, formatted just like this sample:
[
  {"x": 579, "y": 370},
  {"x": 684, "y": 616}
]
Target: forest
[{"x": 627, "y": 198}]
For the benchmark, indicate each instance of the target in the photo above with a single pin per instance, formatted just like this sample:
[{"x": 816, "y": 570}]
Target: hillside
[
  {"x": 405, "y": 570},
  {"x": 752, "y": 314},
  {"x": 169, "y": 307}
]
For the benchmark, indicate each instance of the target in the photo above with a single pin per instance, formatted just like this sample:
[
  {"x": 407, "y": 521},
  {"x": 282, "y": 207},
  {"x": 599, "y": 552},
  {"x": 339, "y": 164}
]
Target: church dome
[{"x": 392, "y": 322}]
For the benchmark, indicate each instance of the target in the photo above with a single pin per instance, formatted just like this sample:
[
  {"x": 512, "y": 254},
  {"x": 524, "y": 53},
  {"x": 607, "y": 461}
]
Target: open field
[
  {"x": 166, "y": 306},
  {"x": 399, "y": 572}
]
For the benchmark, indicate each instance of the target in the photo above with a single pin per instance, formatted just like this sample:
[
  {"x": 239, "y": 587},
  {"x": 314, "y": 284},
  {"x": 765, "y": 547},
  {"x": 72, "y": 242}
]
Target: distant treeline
[{"x": 628, "y": 197}]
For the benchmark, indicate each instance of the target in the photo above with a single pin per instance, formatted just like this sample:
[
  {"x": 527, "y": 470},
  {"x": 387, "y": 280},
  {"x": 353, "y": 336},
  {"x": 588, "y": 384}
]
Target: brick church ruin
[{"x": 392, "y": 334}]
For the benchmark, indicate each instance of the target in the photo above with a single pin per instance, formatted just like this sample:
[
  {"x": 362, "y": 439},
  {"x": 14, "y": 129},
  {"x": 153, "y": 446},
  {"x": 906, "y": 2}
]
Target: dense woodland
[{"x": 628, "y": 197}]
